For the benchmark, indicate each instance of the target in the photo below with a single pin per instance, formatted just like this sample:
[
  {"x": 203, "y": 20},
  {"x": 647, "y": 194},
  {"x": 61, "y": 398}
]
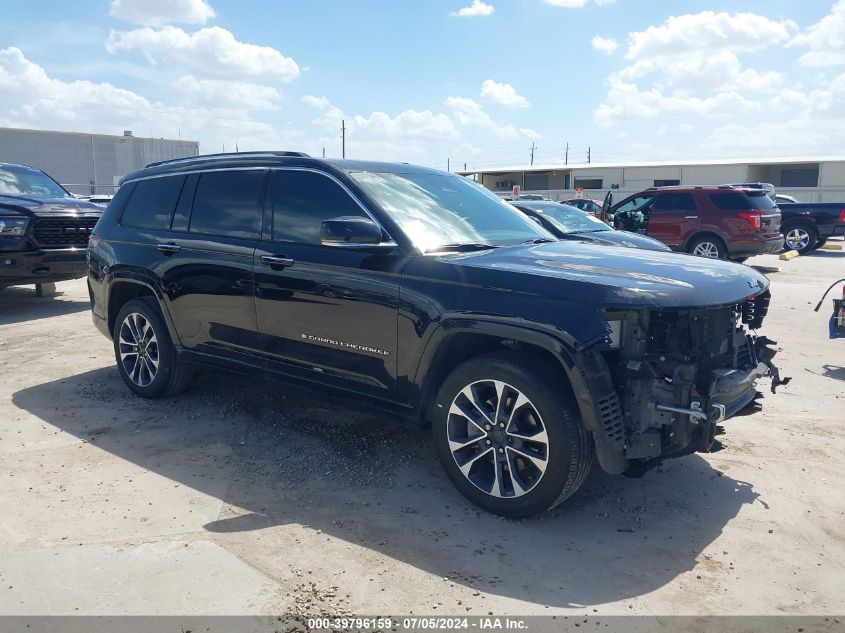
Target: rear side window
[
  {"x": 303, "y": 199},
  {"x": 152, "y": 202},
  {"x": 226, "y": 204},
  {"x": 675, "y": 202},
  {"x": 740, "y": 201},
  {"x": 761, "y": 201}
]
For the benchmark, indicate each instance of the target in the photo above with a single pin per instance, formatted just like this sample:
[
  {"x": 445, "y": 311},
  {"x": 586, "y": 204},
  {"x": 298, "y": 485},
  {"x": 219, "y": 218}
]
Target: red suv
[{"x": 711, "y": 221}]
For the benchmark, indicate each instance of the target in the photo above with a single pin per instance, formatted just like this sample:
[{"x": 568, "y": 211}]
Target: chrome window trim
[{"x": 272, "y": 168}]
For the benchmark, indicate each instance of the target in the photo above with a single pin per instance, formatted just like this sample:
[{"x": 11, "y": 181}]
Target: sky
[{"x": 437, "y": 82}]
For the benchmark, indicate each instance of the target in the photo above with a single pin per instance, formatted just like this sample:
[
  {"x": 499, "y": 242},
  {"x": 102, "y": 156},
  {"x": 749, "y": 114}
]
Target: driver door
[
  {"x": 632, "y": 214},
  {"x": 324, "y": 313}
]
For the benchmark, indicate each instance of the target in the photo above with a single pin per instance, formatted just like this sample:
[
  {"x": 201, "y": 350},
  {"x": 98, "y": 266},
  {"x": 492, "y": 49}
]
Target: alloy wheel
[
  {"x": 497, "y": 438},
  {"x": 706, "y": 249},
  {"x": 138, "y": 349},
  {"x": 797, "y": 239}
]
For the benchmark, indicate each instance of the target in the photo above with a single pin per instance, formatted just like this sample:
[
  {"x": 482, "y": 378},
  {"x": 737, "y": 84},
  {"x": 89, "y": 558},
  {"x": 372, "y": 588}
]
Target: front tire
[
  {"x": 508, "y": 439},
  {"x": 146, "y": 357}
]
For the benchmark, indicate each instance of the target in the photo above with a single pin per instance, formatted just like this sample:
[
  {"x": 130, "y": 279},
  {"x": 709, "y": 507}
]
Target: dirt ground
[{"x": 253, "y": 498}]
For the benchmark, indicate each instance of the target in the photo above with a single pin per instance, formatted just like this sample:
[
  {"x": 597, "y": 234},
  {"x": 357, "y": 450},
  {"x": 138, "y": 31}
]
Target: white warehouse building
[
  {"x": 88, "y": 163},
  {"x": 808, "y": 179}
]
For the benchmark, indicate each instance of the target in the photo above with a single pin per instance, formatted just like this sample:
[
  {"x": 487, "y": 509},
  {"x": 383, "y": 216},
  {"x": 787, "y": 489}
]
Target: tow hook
[{"x": 765, "y": 353}]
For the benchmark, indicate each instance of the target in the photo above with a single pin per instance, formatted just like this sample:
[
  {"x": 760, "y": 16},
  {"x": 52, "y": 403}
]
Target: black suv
[
  {"x": 43, "y": 229},
  {"x": 426, "y": 296}
]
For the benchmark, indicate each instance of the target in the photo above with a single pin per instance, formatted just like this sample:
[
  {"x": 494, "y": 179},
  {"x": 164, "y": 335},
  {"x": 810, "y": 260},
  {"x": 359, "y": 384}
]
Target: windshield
[
  {"x": 571, "y": 220},
  {"x": 25, "y": 181},
  {"x": 436, "y": 210}
]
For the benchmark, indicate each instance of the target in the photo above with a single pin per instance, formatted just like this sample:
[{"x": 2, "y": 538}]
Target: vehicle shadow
[
  {"x": 833, "y": 371},
  {"x": 18, "y": 304},
  {"x": 292, "y": 458}
]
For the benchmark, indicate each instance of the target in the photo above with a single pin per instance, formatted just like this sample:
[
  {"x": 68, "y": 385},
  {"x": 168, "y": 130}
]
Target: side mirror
[{"x": 353, "y": 232}]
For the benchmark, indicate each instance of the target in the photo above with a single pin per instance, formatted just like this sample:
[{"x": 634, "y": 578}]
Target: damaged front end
[{"x": 678, "y": 373}]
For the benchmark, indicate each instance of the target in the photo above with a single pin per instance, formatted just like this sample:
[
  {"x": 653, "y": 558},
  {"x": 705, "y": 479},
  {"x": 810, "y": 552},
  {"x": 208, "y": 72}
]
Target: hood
[
  {"x": 610, "y": 276},
  {"x": 48, "y": 207},
  {"x": 622, "y": 238}
]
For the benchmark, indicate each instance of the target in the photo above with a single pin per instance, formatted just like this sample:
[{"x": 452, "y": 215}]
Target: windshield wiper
[
  {"x": 461, "y": 247},
  {"x": 537, "y": 240}
]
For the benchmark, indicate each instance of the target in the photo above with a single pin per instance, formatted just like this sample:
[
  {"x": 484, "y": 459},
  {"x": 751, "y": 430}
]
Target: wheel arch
[
  {"x": 704, "y": 233},
  {"x": 585, "y": 373},
  {"x": 127, "y": 286}
]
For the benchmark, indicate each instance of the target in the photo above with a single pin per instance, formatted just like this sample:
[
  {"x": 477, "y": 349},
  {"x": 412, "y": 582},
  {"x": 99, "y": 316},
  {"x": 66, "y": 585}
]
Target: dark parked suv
[
  {"x": 425, "y": 296},
  {"x": 43, "y": 229},
  {"x": 722, "y": 222}
]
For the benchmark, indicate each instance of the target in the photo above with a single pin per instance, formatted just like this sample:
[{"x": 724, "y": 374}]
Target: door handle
[
  {"x": 691, "y": 217},
  {"x": 169, "y": 249},
  {"x": 276, "y": 261}
]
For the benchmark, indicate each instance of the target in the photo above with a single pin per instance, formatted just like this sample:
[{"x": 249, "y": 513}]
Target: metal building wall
[{"x": 87, "y": 163}]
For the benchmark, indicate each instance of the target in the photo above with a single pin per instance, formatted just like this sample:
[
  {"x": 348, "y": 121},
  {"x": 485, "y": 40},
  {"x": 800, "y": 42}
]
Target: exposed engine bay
[{"x": 678, "y": 373}]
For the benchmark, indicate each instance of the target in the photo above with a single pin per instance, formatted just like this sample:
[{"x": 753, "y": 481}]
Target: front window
[
  {"x": 438, "y": 210},
  {"x": 25, "y": 181}
]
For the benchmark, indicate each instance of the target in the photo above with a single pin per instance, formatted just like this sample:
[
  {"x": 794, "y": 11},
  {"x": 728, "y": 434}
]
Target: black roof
[
  {"x": 271, "y": 158},
  {"x": 544, "y": 204}
]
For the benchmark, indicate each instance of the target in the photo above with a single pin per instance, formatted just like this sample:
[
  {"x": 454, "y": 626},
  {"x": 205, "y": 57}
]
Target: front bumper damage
[{"x": 677, "y": 374}]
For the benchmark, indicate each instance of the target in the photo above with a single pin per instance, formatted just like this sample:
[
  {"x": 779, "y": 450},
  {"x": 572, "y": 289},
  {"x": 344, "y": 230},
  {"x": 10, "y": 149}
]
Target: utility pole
[
  {"x": 448, "y": 165},
  {"x": 588, "y": 155},
  {"x": 343, "y": 137},
  {"x": 533, "y": 147},
  {"x": 465, "y": 166},
  {"x": 324, "y": 152},
  {"x": 566, "y": 155}
]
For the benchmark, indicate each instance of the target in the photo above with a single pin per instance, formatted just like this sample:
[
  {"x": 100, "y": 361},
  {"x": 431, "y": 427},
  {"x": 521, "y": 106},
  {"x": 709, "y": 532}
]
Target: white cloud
[
  {"x": 690, "y": 66},
  {"x": 825, "y": 39},
  {"x": 160, "y": 12},
  {"x": 208, "y": 52},
  {"x": 379, "y": 125},
  {"x": 476, "y": 9},
  {"x": 228, "y": 93},
  {"x": 503, "y": 94},
  {"x": 626, "y": 101},
  {"x": 470, "y": 113},
  {"x": 33, "y": 99},
  {"x": 606, "y": 45},
  {"x": 575, "y": 4},
  {"x": 709, "y": 31}
]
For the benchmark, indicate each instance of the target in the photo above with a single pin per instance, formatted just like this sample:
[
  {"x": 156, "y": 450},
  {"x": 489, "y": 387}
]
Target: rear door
[
  {"x": 208, "y": 261},
  {"x": 325, "y": 312},
  {"x": 673, "y": 218}
]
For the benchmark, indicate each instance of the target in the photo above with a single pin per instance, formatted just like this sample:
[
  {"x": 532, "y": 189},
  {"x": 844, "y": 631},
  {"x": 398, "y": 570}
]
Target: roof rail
[{"x": 227, "y": 155}]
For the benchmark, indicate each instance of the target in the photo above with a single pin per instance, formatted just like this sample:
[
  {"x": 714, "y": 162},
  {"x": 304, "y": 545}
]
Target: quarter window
[
  {"x": 302, "y": 200},
  {"x": 152, "y": 202},
  {"x": 226, "y": 204}
]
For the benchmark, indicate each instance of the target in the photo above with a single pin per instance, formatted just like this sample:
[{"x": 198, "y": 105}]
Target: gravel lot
[{"x": 253, "y": 498}]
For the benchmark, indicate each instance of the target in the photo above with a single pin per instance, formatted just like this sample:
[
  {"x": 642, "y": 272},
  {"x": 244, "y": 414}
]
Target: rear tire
[
  {"x": 708, "y": 246},
  {"x": 800, "y": 237},
  {"x": 146, "y": 357},
  {"x": 509, "y": 439}
]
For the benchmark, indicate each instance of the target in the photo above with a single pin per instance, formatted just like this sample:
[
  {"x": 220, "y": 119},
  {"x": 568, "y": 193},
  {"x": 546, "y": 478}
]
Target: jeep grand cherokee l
[
  {"x": 424, "y": 295},
  {"x": 722, "y": 221},
  {"x": 43, "y": 229}
]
